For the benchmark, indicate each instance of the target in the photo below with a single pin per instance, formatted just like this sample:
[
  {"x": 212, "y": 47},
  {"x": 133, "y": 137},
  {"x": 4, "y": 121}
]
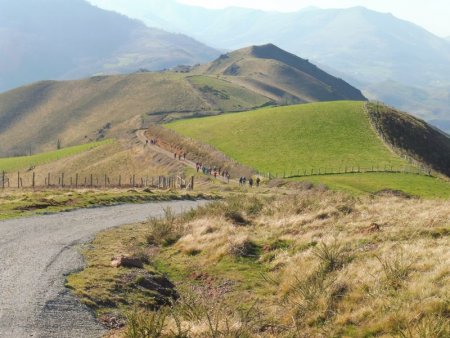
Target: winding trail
[
  {"x": 188, "y": 163},
  {"x": 35, "y": 256}
]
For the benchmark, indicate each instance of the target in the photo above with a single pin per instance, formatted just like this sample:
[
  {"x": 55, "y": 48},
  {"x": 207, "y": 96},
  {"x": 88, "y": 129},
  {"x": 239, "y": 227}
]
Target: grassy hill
[
  {"x": 327, "y": 136},
  {"x": 317, "y": 135},
  {"x": 34, "y": 117},
  {"x": 281, "y": 76},
  {"x": 12, "y": 164}
]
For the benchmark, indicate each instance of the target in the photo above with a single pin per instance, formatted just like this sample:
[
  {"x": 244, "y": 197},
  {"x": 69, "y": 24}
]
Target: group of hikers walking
[
  {"x": 243, "y": 181},
  {"x": 180, "y": 155},
  {"x": 210, "y": 170},
  {"x": 214, "y": 171}
]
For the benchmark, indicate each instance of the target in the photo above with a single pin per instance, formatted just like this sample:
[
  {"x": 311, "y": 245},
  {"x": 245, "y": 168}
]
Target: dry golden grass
[
  {"x": 334, "y": 265},
  {"x": 312, "y": 263},
  {"x": 124, "y": 158}
]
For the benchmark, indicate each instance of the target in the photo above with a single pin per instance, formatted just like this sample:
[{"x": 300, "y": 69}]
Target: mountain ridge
[
  {"x": 37, "y": 115},
  {"x": 51, "y": 39},
  {"x": 365, "y": 47}
]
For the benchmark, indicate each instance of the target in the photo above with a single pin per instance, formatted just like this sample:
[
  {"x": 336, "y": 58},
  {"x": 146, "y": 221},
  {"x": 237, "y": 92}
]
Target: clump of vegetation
[
  {"x": 243, "y": 247},
  {"x": 396, "y": 268},
  {"x": 332, "y": 256},
  {"x": 164, "y": 231},
  {"x": 142, "y": 324}
]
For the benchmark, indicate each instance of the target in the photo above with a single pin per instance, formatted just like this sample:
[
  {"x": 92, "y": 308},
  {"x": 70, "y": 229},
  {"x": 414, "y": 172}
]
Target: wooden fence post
[
  {"x": 120, "y": 181},
  {"x": 91, "y": 181},
  {"x": 48, "y": 179},
  {"x": 18, "y": 180},
  {"x": 76, "y": 181},
  {"x": 3, "y": 179},
  {"x": 192, "y": 182},
  {"x": 62, "y": 180},
  {"x": 33, "y": 182}
]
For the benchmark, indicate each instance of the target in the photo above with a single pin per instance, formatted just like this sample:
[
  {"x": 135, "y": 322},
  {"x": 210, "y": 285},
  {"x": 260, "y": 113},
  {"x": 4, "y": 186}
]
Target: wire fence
[
  {"x": 26, "y": 180},
  {"x": 347, "y": 170}
]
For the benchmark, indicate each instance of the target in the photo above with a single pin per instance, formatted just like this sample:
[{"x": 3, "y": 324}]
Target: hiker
[
  {"x": 250, "y": 182},
  {"x": 258, "y": 181},
  {"x": 228, "y": 178}
]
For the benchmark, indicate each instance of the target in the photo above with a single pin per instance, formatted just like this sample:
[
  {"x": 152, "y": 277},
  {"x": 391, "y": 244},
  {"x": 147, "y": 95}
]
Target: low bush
[{"x": 166, "y": 231}]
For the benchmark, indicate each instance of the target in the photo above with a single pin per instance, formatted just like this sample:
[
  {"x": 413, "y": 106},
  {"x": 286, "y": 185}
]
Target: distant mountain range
[
  {"x": 34, "y": 117},
  {"x": 53, "y": 39},
  {"x": 365, "y": 47}
]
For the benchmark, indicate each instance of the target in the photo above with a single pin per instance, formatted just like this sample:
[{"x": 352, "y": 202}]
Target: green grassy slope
[
  {"x": 330, "y": 135},
  {"x": 415, "y": 185},
  {"x": 25, "y": 162},
  {"x": 317, "y": 135}
]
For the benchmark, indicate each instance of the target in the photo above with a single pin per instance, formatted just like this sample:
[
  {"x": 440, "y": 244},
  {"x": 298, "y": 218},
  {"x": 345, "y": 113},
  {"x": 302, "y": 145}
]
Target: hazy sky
[{"x": 434, "y": 15}]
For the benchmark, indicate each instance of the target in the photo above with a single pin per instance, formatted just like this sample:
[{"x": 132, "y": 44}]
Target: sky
[{"x": 433, "y": 15}]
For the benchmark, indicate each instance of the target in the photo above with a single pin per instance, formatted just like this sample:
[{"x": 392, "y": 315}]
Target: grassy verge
[
  {"x": 312, "y": 264},
  {"x": 25, "y": 162},
  {"x": 415, "y": 185},
  {"x": 15, "y": 204}
]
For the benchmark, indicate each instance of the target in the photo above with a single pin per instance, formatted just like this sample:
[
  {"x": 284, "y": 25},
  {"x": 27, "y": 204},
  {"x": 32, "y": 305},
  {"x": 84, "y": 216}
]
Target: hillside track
[
  {"x": 36, "y": 255},
  {"x": 156, "y": 148}
]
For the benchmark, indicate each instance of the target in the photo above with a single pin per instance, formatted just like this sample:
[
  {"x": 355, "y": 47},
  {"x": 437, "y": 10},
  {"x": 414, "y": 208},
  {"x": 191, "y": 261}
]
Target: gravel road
[{"x": 35, "y": 256}]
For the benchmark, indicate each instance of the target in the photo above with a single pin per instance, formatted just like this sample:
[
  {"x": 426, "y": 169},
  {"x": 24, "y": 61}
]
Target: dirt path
[
  {"x": 35, "y": 255},
  {"x": 142, "y": 138}
]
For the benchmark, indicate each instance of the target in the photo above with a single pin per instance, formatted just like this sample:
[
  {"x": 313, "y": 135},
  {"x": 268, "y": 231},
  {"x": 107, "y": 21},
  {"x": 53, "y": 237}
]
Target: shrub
[
  {"x": 164, "y": 231},
  {"x": 243, "y": 248},
  {"x": 396, "y": 269},
  {"x": 145, "y": 324},
  {"x": 332, "y": 257},
  {"x": 236, "y": 217}
]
